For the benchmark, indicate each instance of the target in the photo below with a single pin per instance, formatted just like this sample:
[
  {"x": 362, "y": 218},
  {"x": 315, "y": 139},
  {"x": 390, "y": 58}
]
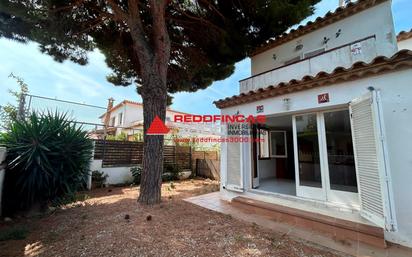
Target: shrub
[
  {"x": 48, "y": 159},
  {"x": 170, "y": 172},
  {"x": 137, "y": 174},
  {"x": 13, "y": 233},
  {"x": 99, "y": 178},
  {"x": 120, "y": 137}
]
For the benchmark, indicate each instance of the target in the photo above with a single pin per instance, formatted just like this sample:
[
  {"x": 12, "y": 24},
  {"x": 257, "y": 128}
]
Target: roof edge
[
  {"x": 135, "y": 103},
  {"x": 403, "y": 35},
  {"x": 330, "y": 17}
]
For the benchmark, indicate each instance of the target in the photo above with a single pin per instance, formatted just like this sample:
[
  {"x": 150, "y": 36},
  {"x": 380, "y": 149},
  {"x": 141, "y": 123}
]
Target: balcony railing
[{"x": 342, "y": 56}]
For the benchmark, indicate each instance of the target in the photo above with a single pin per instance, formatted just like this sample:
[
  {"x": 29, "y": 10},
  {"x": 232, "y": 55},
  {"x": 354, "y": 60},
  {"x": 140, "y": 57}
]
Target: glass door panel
[
  {"x": 340, "y": 162},
  {"x": 307, "y": 157},
  {"x": 308, "y": 151},
  {"x": 342, "y": 172}
]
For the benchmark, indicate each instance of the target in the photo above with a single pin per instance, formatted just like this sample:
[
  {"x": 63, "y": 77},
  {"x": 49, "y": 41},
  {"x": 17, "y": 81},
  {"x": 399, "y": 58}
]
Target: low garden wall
[
  {"x": 116, "y": 158},
  {"x": 116, "y": 175}
]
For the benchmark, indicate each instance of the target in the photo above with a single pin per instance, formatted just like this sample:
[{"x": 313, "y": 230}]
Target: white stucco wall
[
  {"x": 377, "y": 21},
  {"x": 115, "y": 114},
  {"x": 116, "y": 175},
  {"x": 267, "y": 168},
  {"x": 396, "y": 93},
  {"x": 405, "y": 44},
  {"x": 133, "y": 113}
]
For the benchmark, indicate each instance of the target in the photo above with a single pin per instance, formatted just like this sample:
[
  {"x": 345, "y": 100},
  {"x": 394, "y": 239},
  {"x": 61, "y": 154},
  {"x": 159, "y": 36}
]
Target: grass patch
[{"x": 14, "y": 233}]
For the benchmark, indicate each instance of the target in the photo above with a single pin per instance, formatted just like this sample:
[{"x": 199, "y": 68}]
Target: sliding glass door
[{"x": 324, "y": 159}]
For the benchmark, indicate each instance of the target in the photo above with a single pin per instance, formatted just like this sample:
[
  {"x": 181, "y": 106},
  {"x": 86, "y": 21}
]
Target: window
[
  {"x": 278, "y": 144},
  {"x": 120, "y": 118},
  {"x": 272, "y": 144}
]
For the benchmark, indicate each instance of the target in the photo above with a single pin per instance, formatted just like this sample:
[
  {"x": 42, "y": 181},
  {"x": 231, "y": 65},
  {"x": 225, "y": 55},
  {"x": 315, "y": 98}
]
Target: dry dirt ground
[{"x": 99, "y": 226}]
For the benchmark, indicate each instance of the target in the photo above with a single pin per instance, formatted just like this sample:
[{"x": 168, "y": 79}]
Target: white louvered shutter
[
  {"x": 234, "y": 174},
  {"x": 370, "y": 161}
]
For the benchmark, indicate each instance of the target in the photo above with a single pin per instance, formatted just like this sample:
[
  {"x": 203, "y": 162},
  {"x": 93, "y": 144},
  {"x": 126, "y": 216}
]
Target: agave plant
[{"x": 48, "y": 159}]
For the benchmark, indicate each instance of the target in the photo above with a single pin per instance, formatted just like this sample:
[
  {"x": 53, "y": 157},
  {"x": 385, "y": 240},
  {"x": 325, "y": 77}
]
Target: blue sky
[{"x": 88, "y": 83}]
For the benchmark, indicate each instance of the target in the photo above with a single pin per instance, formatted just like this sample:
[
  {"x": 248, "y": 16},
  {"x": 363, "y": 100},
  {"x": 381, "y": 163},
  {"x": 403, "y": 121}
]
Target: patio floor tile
[{"x": 327, "y": 235}]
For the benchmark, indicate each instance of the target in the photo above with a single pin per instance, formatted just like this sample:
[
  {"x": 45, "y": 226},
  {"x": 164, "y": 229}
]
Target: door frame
[
  {"x": 336, "y": 196},
  {"x": 325, "y": 193},
  {"x": 314, "y": 193},
  {"x": 254, "y": 153}
]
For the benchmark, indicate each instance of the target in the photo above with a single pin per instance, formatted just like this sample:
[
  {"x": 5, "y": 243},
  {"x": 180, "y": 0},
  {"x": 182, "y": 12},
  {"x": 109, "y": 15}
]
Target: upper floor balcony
[{"x": 343, "y": 56}]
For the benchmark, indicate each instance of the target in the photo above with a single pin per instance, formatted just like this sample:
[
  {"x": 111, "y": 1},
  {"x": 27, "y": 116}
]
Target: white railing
[{"x": 344, "y": 56}]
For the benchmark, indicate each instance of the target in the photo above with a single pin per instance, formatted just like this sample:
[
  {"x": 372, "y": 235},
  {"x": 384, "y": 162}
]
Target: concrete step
[{"x": 341, "y": 230}]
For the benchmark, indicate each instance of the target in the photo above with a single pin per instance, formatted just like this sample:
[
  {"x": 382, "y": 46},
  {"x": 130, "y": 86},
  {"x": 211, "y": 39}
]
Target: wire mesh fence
[
  {"x": 83, "y": 114},
  {"x": 91, "y": 119}
]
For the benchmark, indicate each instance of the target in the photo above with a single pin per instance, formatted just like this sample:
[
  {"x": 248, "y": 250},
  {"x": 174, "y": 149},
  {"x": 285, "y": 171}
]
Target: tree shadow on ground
[{"x": 111, "y": 223}]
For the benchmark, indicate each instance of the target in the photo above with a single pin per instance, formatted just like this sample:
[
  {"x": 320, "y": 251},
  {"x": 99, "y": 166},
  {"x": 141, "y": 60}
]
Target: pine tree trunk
[
  {"x": 153, "y": 56},
  {"x": 154, "y": 104}
]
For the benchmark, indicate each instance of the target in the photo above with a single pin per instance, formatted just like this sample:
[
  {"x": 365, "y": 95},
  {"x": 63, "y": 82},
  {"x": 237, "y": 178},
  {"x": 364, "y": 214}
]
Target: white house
[
  {"x": 337, "y": 97},
  {"x": 405, "y": 40},
  {"x": 127, "y": 117}
]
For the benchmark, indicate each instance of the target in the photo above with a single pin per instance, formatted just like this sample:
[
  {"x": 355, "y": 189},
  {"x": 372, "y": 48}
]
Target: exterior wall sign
[
  {"x": 323, "y": 98},
  {"x": 259, "y": 109},
  {"x": 356, "y": 49}
]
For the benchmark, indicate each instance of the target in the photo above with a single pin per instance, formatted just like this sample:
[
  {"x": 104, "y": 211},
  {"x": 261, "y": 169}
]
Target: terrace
[{"x": 310, "y": 65}]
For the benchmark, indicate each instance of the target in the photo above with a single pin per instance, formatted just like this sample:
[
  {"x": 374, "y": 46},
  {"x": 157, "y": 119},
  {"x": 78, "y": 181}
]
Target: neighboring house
[
  {"x": 337, "y": 96},
  {"x": 405, "y": 40},
  {"x": 127, "y": 117}
]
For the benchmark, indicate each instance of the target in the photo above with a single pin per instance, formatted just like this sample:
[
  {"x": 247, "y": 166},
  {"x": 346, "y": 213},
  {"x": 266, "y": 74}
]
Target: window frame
[
  {"x": 259, "y": 128},
  {"x": 270, "y": 144}
]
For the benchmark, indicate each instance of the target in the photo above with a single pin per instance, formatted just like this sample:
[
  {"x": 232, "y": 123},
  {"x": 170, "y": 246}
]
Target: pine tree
[{"x": 159, "y": 46}]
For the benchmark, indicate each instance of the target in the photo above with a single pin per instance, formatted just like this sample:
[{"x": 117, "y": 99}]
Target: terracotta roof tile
[
  {"x": 403, "y": 35},
  {"x": 381, "y": 64}
]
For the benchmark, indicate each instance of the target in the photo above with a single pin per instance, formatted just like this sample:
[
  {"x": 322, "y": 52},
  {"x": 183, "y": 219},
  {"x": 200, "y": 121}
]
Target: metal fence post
[
  {"x": 21, "y": 110},
  {"x": 89, "y": 175}
]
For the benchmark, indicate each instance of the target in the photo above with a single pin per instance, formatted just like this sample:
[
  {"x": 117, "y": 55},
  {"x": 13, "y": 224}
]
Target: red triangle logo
[{"x": 157, "y": 127}]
